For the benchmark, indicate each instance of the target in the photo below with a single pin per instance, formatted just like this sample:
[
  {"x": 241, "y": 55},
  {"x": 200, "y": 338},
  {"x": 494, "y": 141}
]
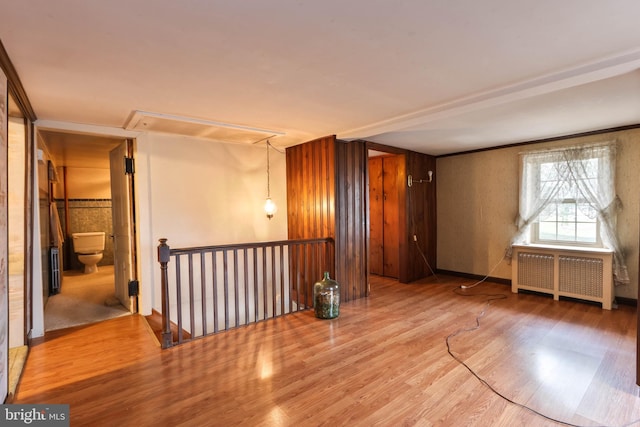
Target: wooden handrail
[{"x": 182, "y": 251}]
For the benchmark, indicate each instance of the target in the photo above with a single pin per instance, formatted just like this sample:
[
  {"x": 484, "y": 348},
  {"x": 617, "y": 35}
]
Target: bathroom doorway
[{"x": 81, "y": 192}]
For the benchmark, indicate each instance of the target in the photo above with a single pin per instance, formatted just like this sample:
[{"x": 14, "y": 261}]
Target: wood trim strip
[
  {"x": 631, "y": 302},
  {"x": 474, "y": 276},
  {"x": 15, "y": 85},
  {"x": 539, "y": 141}
]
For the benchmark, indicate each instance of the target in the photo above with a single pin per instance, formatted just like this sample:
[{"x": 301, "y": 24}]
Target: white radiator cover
[{"x": 586, "y": 274}]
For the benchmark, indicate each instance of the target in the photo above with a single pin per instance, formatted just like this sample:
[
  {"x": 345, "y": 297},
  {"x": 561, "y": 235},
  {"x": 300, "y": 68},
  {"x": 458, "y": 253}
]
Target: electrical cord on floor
[
  {"x": 487, "y": 276},
  {"x": 490, "y": 299}
]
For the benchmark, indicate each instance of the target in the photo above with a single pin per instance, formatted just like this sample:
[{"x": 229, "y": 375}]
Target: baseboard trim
[
  {"x": 620, "y": 300},
  {"x": 626, "y": 301},
  {"x": 498, "y": 280}
]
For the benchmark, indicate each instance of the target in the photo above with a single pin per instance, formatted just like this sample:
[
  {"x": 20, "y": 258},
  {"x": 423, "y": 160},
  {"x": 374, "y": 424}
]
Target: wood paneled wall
[
  {"x": 311, "y": 194},
  {"x": 311, "y": 189},
  {"x": 326, "y": 197},
  {"x": 352, "y": 225},
  {"x": 420, "y": 219}
]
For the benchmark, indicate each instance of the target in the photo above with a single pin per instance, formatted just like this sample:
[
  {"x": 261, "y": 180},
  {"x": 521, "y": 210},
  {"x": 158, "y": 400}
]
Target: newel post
[{"x": 164, "y": 254}]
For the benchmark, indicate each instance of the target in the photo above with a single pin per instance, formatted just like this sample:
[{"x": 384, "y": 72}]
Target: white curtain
[{"x": 573, "y": 166}]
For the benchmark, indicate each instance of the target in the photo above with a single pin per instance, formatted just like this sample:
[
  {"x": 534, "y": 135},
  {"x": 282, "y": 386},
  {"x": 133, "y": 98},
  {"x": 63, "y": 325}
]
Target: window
[
  {"x": 567, "y": 197},
  {"x": 568, "y": 218}
]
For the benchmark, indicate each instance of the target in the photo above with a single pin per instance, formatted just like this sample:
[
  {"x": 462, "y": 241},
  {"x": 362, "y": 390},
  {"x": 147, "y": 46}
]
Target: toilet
[{"x": 88, "y": 247}]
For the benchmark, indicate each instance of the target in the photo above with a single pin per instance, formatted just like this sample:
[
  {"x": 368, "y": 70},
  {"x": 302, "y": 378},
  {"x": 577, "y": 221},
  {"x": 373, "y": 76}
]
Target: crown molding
[{"x": 562, "y": 79}]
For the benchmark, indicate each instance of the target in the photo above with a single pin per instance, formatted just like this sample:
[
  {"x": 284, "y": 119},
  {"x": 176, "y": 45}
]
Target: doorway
[
  {"x": 384, "y": 212},
  {"x": 82, "y": 201}
]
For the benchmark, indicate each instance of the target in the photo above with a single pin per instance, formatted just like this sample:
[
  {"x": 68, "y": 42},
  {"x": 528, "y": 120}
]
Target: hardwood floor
[{"x": 383, "y": 362}]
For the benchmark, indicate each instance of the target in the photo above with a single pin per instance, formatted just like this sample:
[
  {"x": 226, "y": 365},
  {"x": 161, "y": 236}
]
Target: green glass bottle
[{"x": 326, "y": 298}]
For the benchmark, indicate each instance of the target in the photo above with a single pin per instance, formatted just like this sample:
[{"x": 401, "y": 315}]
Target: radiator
[
  {"x": 569, "y": 272},
  {"x": 54, "y": 268}
]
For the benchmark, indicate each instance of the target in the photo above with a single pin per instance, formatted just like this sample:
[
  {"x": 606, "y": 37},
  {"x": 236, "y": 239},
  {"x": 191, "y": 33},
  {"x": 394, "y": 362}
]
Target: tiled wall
[{"x": 86, "y": 215}]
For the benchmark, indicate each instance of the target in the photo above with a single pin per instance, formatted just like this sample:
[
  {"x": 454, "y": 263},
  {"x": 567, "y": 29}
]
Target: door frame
[
  {"x": 90, "y": 131},
  {"x": 132, "y": 270}
]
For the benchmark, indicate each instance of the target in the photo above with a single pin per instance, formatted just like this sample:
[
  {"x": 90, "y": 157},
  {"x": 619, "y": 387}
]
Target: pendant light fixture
[{"x": 270, "y": 207}]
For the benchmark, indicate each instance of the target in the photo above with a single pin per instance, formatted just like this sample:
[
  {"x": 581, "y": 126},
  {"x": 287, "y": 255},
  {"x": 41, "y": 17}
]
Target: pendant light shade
[{"x": 270, "y": 208}]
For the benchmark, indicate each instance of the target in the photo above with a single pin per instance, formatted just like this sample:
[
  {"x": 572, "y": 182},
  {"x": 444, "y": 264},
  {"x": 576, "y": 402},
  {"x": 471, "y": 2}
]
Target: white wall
[
  {"x": 477, "y": 203},
  {"x": 197, "y": 193},
  {"x": 193, "y": 192}
]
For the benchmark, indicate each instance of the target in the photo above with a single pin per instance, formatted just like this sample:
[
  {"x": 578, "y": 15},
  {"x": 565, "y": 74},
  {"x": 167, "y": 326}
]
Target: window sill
[{"x": 565, "y": 248}]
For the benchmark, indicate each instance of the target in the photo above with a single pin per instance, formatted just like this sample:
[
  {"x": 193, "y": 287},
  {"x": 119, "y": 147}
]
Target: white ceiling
[{"x": 434, "y": 76}]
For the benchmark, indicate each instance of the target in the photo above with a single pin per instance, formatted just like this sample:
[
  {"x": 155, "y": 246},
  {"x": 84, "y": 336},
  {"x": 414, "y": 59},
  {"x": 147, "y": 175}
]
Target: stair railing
[{"x": 206, "y": 290}]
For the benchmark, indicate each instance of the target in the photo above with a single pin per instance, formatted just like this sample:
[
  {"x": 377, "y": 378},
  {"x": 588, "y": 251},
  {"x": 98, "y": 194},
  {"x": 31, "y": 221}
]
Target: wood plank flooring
[{"x": 383, "y": 362}]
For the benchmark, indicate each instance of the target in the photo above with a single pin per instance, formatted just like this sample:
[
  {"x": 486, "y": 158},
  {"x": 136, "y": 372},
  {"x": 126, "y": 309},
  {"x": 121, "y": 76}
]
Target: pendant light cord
[{"x": 268, "y": 172}]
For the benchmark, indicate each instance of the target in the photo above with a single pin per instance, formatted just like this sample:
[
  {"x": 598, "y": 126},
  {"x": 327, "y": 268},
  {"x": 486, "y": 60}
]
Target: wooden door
[
  {"x": 391, "y": 216},
  {"x": 123, "y": 253},
  {"x": 376, "y": 224},
  {"x": 384, "y": 215}
]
